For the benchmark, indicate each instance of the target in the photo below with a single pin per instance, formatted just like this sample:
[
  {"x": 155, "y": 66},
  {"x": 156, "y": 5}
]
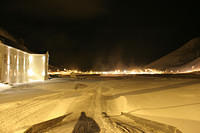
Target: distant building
[{"x": 18, "y": 66}]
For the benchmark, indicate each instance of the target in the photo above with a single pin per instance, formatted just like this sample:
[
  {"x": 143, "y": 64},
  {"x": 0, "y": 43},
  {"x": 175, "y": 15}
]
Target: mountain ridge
[{"x": 179, "y": 57}]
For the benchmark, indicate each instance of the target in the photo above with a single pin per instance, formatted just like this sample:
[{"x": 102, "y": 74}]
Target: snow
[
  {"x": 4, "y": 87},
  {"x": 179, "y": 58},
  {"x": 158, "y": 102}
]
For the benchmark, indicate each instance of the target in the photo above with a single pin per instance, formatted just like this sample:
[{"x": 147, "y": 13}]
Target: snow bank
[{"x": 4, "y": 87}]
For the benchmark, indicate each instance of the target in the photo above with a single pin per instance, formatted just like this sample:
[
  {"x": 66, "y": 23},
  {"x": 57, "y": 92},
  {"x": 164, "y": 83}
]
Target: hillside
[{"x": 183, "y": 56}]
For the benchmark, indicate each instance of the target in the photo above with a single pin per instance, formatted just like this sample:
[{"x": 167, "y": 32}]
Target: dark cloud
[
  {"x": 57, "y": 8},
  {"x": 96, "y": 34}
]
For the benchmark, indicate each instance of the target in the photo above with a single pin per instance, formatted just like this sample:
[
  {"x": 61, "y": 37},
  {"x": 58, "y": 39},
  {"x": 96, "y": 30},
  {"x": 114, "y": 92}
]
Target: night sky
[{"x": 101, "y": 34}]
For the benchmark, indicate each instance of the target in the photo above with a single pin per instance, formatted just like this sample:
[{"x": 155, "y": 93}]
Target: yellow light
[
  {"x": 8, "y": 65},
  {"x": 43, "y": 58},
  {"x": 17, "y": 61},
  {"x": 30, "y": 58},
  {"x": 24, "y": 62},
  {"x": 114, "y": 72},
  {"x": 43, "y": 73},
  {"x": 30, "y": 72}
]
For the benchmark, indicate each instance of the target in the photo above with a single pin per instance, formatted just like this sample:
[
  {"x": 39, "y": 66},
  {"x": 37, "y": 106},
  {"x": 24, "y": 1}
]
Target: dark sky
[{"x": 95, "y": 34}]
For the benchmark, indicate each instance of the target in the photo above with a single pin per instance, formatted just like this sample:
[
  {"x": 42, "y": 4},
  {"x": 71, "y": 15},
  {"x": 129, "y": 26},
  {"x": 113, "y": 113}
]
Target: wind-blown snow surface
[{"x": 167, "y": 102}]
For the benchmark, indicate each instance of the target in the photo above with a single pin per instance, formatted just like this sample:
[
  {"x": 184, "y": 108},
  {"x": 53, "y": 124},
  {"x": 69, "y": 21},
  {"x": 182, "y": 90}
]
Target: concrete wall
[
  {"x": 17, "y": 66},
  {"x": 37, "y": 67}
]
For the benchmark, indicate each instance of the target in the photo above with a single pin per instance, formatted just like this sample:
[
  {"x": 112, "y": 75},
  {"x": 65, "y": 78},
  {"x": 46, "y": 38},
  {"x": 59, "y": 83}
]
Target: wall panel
[{"x": 17, "y": 66}]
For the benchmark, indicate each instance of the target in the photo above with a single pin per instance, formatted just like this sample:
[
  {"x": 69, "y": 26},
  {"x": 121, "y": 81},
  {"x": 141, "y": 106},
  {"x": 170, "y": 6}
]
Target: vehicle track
[{"x": 90, "y": 99}]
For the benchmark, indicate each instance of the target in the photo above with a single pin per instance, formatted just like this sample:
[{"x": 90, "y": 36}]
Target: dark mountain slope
[{"x": 181, "y": 57}]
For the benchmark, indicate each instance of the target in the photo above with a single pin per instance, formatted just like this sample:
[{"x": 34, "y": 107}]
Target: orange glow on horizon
[
  {"x": 123, "y": 72},
  {"x": 114, "y": 72}
]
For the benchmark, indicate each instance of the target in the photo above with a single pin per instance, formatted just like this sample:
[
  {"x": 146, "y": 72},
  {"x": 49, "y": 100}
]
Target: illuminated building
[{"x": 18, "y": 66}]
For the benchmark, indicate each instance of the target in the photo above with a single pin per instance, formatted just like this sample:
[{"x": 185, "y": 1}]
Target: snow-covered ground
[
  {"x": 137, "y": 104},
  {"x": 4, "y": 87}
]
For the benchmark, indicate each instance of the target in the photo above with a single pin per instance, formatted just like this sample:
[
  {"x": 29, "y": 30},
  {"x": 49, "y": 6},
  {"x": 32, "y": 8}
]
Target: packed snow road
[{"x": 108, "y": 105}]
